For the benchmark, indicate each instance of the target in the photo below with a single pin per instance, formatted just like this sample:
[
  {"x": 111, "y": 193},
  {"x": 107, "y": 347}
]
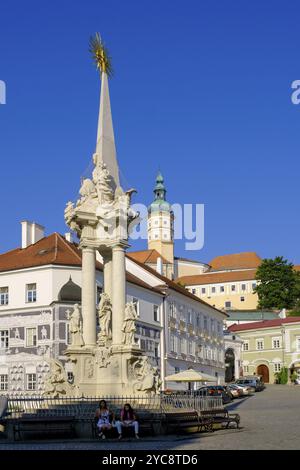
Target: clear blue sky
[{"x": 201, "y": 90}]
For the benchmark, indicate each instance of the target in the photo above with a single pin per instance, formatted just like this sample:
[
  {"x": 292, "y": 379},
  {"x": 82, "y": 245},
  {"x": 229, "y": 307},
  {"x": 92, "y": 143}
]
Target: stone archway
[
  {"x": 229, "y": 365},
  {"x": 263, "y": 370}
]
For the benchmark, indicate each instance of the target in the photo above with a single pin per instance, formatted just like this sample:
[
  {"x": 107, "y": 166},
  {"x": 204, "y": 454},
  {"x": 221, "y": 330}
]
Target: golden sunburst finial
[{"x": 100, "y": 55}]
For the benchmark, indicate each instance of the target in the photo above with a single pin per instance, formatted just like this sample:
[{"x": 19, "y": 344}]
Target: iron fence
[{"x": 87, "y": 405}]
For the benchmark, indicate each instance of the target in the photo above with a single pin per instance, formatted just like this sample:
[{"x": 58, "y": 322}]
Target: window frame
[
  {"x": 31, "y": 378},
  {"x": 4, "y": 337},
  {"x": 156, "y": 313},
  {"x": 27, "y": 345},
  {"x": 4, "y": 296},
  {"x": 3, "y": 383},
  {"x": 260, "y": 340},
  {"x": 32, "y": 292}
]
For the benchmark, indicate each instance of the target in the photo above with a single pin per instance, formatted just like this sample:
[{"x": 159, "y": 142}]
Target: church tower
[{"x": 161, "y": 223}]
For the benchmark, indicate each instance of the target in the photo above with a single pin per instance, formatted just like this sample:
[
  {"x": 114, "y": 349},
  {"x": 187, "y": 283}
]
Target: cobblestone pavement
[{"x": 269, "y": 420}]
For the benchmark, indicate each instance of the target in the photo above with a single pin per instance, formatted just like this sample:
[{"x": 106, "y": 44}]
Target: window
[
  {"x": 98, "y": 293},
  {"x": 205, "y": 323},
  {"x": 30, "y": 292},
  {"x": 242, "y": 299},
  {"x": 276, "y": 343},
  {"x": 68, "y": 334},
  {"x": 233, "y": 288},
  {"x": 203, "y": 290},
  {"x": 253, "y": 285},
  {"x": 198, "y": 322},
  {"x": 246, "y": 369},
  {"x": 194, "y": 291},
  {"x": 227, "y": 304},
  {"x": 222, "y": 289},
  {"x": 259, "y": 344},
  {"x": 172, "y": 310},
  {"x": 219, "y": 327},
  {"x": 212, "y": 325},
  {"x": 298, "y": 343},
  {"x": 243, "y": 286},
  {"x": 156, "y": 350},
  {"x": 246, "y": 346},
  {"x": 156, "y": 313},
  {"x": 136, "y": 304},
  {"x": 3, "y": 382},
  {"x": 31, "y": 381},
  {"x": 177, "y": 370},
  {"x": 180, "y": 345},
  {"x": 213, "y": 290},
  {"x": 172, "y": 343},
  {"x": 190, "y": 347},
  {"x": 30, "y": 337},
  {"x": 4, "y": 339},
  {"x": 277, "y": 367},
  {"x": 3, "y": 295}
]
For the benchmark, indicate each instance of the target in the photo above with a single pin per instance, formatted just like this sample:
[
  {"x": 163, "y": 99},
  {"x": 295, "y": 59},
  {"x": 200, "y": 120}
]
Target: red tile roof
[
  {"x": 216, "y": 278},
  {"x": 264, "y": 324},
  {"x": 147, "y": 256},
  {"x": 173, "y": 285},
  {"x": 245, "y": 260},
  {"x": 53, "y": 250}
]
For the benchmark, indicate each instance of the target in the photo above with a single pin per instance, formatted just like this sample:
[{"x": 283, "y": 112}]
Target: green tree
[
  {"x": 278, "y": 285},
  {"x": 282, "y": 377}
]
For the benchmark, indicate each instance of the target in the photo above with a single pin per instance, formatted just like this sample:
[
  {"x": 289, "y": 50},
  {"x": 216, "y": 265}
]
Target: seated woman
[
  {"x": 128, "y": 419},
  {"x": 105, "y": 419}
]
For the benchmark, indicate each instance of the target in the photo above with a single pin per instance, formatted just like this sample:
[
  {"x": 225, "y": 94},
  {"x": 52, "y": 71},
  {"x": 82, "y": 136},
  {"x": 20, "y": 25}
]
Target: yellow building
[
  {"x": 228, "y": 283},
  {"x": 270, "y": 345}
]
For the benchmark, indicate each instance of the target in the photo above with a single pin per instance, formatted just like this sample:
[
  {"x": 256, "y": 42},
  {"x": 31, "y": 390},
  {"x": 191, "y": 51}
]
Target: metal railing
[{"x": 86, "y": 406}]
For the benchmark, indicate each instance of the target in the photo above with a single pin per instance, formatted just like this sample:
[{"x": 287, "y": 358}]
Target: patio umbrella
[{"x": 190, "y": 375}]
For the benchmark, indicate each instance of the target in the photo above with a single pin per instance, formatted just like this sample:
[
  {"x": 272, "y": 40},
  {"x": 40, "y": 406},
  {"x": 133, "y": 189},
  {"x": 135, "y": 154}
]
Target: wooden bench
[
  {"x": 222, "y": 416},
  {"x": 146, "y": 421},
  {"x": 46, "y": 424},
  {"x": 176, "y": 421}
]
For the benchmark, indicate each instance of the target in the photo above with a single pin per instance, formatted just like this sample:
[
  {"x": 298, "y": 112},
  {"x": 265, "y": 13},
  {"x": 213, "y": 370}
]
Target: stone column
[
  {"x": 119, "y": 292},
  {"x": 89, "y": 295},
  {"x": 107, "y": 273}
]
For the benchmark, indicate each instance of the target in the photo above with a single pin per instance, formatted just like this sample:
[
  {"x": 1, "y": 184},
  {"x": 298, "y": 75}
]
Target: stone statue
[
  {"x": 87, "y": 189},
  {"x": 147, "y": 376},
  {"x": 70, "y": 218},
  {"x": 104, "y": 315},
  {"x": 129, "y": 327},
  {"x": 76, "y": 327},
  {"x": 103, "y": 182},
  {"x": 56, "y": 383}
]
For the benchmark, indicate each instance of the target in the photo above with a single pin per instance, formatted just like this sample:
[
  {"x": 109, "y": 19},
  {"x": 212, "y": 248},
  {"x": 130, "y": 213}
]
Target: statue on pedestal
[
  {"x": 129, "y": 327},
  {"x": 56, "y": 383},
  {"x": 76, "y": 327},
  {"x": 146, "y": 376},
  {"x": 104, "y": 315}
]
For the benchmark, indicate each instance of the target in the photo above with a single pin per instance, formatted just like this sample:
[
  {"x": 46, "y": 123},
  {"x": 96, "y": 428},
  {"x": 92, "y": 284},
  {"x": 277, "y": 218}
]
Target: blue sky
[{"x": 202, "y": 90}]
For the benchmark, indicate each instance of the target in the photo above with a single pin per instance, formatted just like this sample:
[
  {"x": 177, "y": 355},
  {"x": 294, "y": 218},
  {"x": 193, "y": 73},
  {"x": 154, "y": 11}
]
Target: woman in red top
[{"x": 128, "y": 419}]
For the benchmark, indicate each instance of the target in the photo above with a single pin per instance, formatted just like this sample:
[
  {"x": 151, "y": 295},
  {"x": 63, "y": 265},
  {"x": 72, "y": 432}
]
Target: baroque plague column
[{"x": 110, "y": 362}]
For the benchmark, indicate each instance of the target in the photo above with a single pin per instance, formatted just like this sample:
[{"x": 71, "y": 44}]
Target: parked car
[
  {"x": 259, "y": 379},
  {"x": 251, "y": 382},
  {"x": 235, "y": 391},
  {"x": 216, "y": 390},
  {"x": 244, "y": 390}
]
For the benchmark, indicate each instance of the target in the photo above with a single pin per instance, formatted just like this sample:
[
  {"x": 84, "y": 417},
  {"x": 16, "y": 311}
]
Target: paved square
[{"x": 269, "y": 420}]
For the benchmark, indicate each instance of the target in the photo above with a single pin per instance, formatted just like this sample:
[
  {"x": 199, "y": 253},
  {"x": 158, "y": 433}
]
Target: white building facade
[{"x": 39, "y": 286}]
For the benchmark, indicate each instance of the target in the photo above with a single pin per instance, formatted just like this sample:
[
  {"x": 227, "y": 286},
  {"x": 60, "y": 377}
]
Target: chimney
[
  {"x": 31, "y": 233},
  {"x": 159, "y": 265},
  {"x": 68, "y": 237}
]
